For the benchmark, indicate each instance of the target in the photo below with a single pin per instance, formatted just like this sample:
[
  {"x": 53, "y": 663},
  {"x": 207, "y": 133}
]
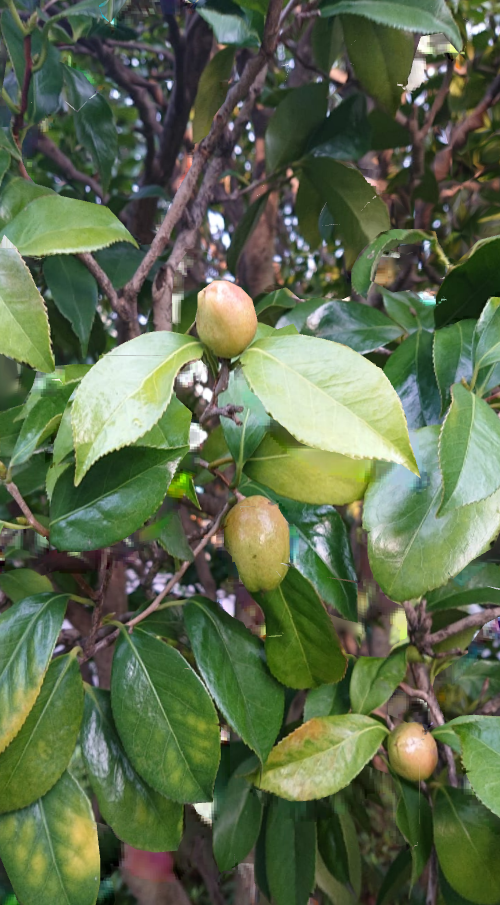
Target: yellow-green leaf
[
  {"x": 50, "y": 849},
  {"x": 25, "y": 333}
]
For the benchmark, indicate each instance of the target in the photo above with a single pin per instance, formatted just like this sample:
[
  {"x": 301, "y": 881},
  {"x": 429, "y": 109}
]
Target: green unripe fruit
[
  {"x": 257, "y": 537},
  {"x": 225, "y": 318},
  {"x": 413, "y": 753}
]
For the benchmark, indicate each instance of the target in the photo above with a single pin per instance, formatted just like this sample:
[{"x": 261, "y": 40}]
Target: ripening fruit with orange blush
[
  {"x": 413, "y": 752},
  {"x": 225, "y": 318}
]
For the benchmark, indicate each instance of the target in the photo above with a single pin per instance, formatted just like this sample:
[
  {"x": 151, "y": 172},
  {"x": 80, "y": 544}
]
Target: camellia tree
[{"x": 249, "y": 381}]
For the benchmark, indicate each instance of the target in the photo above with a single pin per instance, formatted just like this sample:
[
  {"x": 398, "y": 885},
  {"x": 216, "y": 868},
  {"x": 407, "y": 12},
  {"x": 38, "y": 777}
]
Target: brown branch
[
  {"x": 127, "y": 312},
  {"x": 50, "y": 150},
  {"x": 111, "y": 638},
  {"x": 104, "y": 577},
  {"x": 432, "y": 880},
  {"x": 206, "y": 149},
  {"x": 438, "y": 100},
  {"x": 490, "y": 706},
  {"x": 458, "y": 138},
  {"x": 16, "y": 495},
  {"x": 476, "y": 619}
]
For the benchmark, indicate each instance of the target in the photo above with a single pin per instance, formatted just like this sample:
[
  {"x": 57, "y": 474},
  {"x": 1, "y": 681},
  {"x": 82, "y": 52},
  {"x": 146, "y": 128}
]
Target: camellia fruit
[
  {"x": 413, "y": 752},
  {"x": 257, "y": 537},
  {"x": 225, "y": 318}
]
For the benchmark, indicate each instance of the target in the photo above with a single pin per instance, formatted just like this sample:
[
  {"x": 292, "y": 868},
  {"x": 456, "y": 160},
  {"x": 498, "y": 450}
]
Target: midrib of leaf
[
  {"x": 40, "y": 718},
  {"x": 28, "y": 629},
  {"x": 460, "y": 822},
  {"x": 298, "y": 761},
  {"x": 309, "y": 544},
  {"x": 331, "y": 399},
  {"x": 52, "y": 852},
  {"x": 109, "y": 492},
  {"x": 160, "y": 705},
  {"x": 230, "y": 661},
  {"x": 301, "y": 646}
]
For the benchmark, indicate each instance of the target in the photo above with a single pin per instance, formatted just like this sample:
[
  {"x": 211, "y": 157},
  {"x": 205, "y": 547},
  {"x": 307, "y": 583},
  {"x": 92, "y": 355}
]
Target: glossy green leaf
[
  {"x": 29, "y": 631},
  {"x": 407, "y": 309},
  {"x": 94, "y": 125},
  {"x": 486, "y": 341},
  {"x": 308, "y": 207},
  {"x": 74, "y": 291},
  {"x": 450, "y": 896},
  {"x": 52, "y": 225},
  {"x": 237, "y": 823},
  {"x": 384, "y": 71},
  {"x": 20, "y": 583},
  {"x": 125, "y": 394},
  {"x": 302, "y": 646},
  {"x": 25, "y": 335},
  {"x": 5, "y": 160},
  {"x": 8, "y": 144},
  {"x": 469, "y": 447},
  {"x": 453, "y": 357},
  {"x": 113, "y": 500},
  {"x": 327, "y": 412},
  {"x": 478, "y": 583},
  {"x": 171, "y": 431},
  {"x": 169, "y": 533},
  {"x": 374, "y": 680},
  {"x": 480, "y": 744},
  {"x": 41, "y": 422},
  {"x": 212, "y": 90},
  {"x": 231, "y": 28},
  {"x": 414, "y": 820},
  {"x": 467, "y": 836},
  {"x": 46, "y": 84},
  {"x": 447, "y": 736},
  {"x": 245, "y": 227},
  {"x": 411, "y": 372},
  {"x": 400, "y": 515},
  {"x": 321, "y": 757},
  {"x": 165, "y": 718},
  {"x": 16, "y": 194},
  {"x": 230, "y": 660},
  {"x": 329, "y": 700},
  {"x": 468, "y": 286},
  {"x": 274, "y": 303},
  {"x": 346, "y": 133},
  {"x": 39, "y": 754},
  {"x": 10, "y": 425},
  {"x": 358, "y": 213},
  {"x": 307, "y": 475},
  {"x": 337, "y": 892},
  {"x": 291, "y": 126},
  {"x": 50, "y": 849},
  {"x": 243, "y": 441},
  {"x": 290, "y": 854},
  {"x": 136, "y": 813},
  {"x": 426, "y": 17},
  {"x": 365, "y": 268},
  {"x": 353, "y": 324},
  {"x": 386, "y": 132},
  {"x": 326, "y": 42},
  {"x": 119, "y": 262}
]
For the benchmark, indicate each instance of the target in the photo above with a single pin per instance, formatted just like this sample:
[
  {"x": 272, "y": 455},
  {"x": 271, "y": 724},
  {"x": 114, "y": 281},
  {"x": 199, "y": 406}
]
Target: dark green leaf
[
  {"x": 396, "y": 877},
  {"x": 41, "y": 421},
  {"x": 467, "y": 836},
  {"x": 426, "y": 17},
  {"x": 232, "y": 665},
  {"x": 321, "y": 757},
  {"x": 29, "y": 631},
  {"x": 308, "y": 207},
  {"x": 5, "y": 160},
  {"x": 453, "y": 357},
  {"x": 404, "y": 531},
  {"x": 469, "y": 448},
  {"x": 138, "y": 814},
  {"x": 374, "y": 680},
  {"x": 94, "y": 124},
  {"x": 39, "y": 754},
  {"x": 410, "y": 370},
  {"x": 293, "y": 123},
  {"x": 407, "y": 309},
  {"x": 20, "y": 583},
  {"x": 237, "y": 823},
  {"x": 245, "y": 228},
  {"x": 231, "y": 26},
  {"x": 326, "y": 42},
  {"x": 358, "y": 326},
  {"x": 486, "y": 344},
  {"x": 169, "y": 533},
  {"x": 386, "y": 132},
  {"x": 302, "y": 647},
  {"x": 365, "y": 268},
  {"x": 358, "y": 213},
  {"x": 468, "y": 286},
  {"x": 212, "y": 90},
  {"x": 290, "y": 854},
  {"x": 165, "y": 718},
  {"x": 243, "y": 441},
  {"x": 346, "y": 133},
  {"x": 414, "y": 820},
  {"x": 329, "y": 700},
  {"x": 478, "y": 583},
  {"x": 384, "y": 71},
  {"x": 480, "y": 742},
  {"x": 119, "y": 262},
  {"x": 50, "y": 849},
  {"x": 113, "y": 500},
  {"x": 74, "y": 291},
  {"x": 47, "y": 83},
  {"x": 10, "y": 425}
]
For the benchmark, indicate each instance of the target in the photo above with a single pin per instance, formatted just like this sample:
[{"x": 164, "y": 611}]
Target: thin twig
[
  {"x": 104, "y": 577},
  {"x": 50, "y": 150},
  {"x": 16, "y": 495},
  {"x": 476, "y": 619}
]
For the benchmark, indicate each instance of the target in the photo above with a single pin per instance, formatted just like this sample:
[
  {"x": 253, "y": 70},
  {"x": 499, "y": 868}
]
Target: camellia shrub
[{"x": 194, "y": 503}]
